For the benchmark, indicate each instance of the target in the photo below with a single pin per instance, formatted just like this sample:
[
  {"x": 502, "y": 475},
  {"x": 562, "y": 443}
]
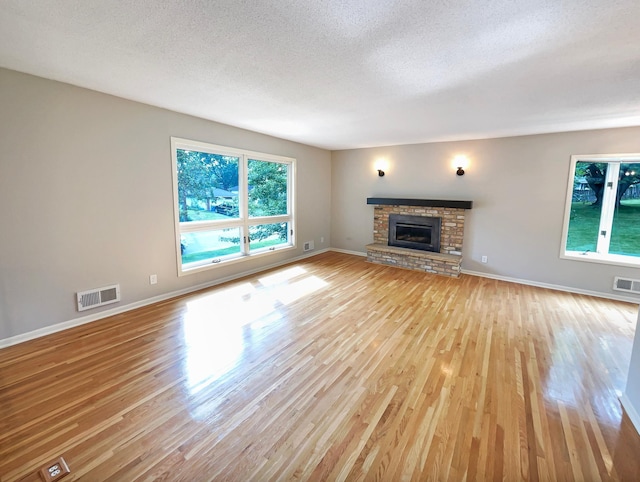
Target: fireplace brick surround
[{"x": 447, "y": 262}]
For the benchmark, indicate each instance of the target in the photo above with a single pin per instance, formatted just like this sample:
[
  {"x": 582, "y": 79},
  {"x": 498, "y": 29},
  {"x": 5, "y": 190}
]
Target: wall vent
[
  {"x": 98, "y": 297},
  {"x": 626, "y": 284},
  {"x": 308, "y": 246}
]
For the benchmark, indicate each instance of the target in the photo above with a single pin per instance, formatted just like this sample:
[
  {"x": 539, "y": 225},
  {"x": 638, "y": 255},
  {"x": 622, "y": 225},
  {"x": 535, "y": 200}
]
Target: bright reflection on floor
[
  {"x": 282, "y": 276},
  {"x": 213, "y": 331},
  {"x": 565, "y": 378},
  {"x": 217, "y": 326},
  {"x": 282, "y": 289},
  {"x": 289, "y": 293},
  {"x": 572, "y": 366}
]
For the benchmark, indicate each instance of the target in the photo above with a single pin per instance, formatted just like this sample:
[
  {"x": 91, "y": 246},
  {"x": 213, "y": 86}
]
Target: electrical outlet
[
  {"x": 54, "y": 470},
  {"x": 485, "y": 259},
  {"x": 321, "y": 239},
  {"x": 153, "y": 279}
]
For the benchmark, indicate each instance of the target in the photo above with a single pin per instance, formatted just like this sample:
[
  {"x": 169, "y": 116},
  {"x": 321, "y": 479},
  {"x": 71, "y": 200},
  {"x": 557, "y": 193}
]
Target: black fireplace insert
[{"x": 415, "y": 232}]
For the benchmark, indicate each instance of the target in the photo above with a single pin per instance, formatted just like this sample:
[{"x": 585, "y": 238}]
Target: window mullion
[
  {"x": 608, "y": 207},
  {"x": 244, "y": 203}
]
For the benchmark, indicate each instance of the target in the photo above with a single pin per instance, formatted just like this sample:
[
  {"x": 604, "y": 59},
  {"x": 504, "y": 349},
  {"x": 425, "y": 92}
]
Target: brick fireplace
[{"x": 445, "y": 262}]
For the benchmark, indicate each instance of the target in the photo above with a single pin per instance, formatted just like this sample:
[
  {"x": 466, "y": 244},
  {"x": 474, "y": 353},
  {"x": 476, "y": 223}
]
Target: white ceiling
[{"x": 342, "y": 74}]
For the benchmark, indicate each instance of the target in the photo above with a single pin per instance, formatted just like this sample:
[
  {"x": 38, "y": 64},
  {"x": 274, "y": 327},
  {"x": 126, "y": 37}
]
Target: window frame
[
  {"x": 244, "y": 221},
  {"x": 607, "y": 211}
]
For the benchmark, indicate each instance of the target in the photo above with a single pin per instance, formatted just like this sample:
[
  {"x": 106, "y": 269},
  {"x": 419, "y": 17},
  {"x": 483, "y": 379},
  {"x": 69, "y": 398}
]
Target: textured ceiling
[{"x": 342, "y": 74}]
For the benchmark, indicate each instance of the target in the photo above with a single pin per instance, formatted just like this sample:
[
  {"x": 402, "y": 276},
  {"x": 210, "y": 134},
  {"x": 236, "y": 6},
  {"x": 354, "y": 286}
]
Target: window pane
[
  {"x": 268, "y": 236},
  {"x": 586, "y": 205},
  {"x": 204, "y": 246},
  {"x": 625, "y": 231},
  {"x": 267, "y": 188},
  {"x": 207, "y": 186}
]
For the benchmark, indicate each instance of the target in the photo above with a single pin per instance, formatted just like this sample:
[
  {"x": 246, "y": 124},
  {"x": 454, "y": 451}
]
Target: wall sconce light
[
  {"x": 381, "y": 165},
  {"x": 460, "y": 163}
]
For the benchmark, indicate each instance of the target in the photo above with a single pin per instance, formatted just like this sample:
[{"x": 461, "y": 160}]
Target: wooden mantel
[{"x": 440, "y": 203}]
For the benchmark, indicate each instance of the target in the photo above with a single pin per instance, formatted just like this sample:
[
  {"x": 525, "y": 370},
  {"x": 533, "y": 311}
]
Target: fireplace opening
[{"x": 414, "y": 232}]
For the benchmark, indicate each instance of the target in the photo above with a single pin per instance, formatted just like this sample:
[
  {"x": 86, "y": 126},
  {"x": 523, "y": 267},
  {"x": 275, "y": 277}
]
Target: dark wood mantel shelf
[{"x": 440, "y": 203}]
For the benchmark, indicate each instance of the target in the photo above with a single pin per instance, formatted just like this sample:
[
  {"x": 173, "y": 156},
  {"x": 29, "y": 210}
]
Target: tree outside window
[{"x": 603, "y": 219}]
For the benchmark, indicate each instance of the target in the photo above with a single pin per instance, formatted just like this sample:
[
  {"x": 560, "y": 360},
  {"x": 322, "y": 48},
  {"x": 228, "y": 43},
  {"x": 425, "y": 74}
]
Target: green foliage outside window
[
  {"x": 589, "y": 185},
  {"x": 267, "y": 197},
  {"x": 205, "y": 183}
]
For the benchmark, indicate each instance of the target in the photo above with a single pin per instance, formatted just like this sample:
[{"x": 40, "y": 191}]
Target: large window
[
  {"x": 602, "y": 214},
  {"x": 229, "y": 204}
]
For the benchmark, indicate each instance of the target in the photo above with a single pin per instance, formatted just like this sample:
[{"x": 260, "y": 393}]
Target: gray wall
[
  {"x": 518, "y": 187},
  {"x": 86, "y": 198}
]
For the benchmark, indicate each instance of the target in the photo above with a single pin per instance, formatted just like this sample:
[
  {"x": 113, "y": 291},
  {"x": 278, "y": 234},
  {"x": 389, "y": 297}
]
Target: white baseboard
[
  {"x": 631, "y": 411},
  {"x": 597, "y": 294},
  {"x": 346, "y": 251},
  {"x": 65, "y": 325}
]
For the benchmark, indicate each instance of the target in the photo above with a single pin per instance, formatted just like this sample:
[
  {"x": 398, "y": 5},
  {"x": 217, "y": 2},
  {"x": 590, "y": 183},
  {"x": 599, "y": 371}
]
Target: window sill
[
  {"x": 232, "y": 260},
  {"x": 610, "y": 259}
]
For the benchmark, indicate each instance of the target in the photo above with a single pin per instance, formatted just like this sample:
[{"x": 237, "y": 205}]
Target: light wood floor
[{"x": 331, "y": 369}]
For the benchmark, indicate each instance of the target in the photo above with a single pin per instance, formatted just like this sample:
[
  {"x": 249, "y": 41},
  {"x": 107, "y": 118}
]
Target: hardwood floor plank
[{"x": 330, "y": 369}]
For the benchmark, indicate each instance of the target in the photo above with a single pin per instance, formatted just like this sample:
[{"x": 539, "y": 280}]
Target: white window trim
[
  {"x": 609, "y": 197},
  {"x": 243, "y": 221}
]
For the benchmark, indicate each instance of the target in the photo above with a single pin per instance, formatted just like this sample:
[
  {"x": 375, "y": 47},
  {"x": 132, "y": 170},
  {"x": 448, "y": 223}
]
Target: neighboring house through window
[
  {"x": 602, "y": 214},
  {"x": 230, "y": 204}
]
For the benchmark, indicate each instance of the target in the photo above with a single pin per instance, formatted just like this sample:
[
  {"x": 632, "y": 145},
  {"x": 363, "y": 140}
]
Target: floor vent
[
  {"x": 626, "y": 284},
  {"x": 98, "y": 297},
  {"x": 308, "y": 246}
]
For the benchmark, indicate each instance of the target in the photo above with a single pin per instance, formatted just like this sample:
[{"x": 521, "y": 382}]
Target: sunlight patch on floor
[
  {"x": 214, "y": 331},
  {"x": 287, "y": 294},
  {"x": 215, "y": 324},
  {"x": 280, "y": 277}
]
